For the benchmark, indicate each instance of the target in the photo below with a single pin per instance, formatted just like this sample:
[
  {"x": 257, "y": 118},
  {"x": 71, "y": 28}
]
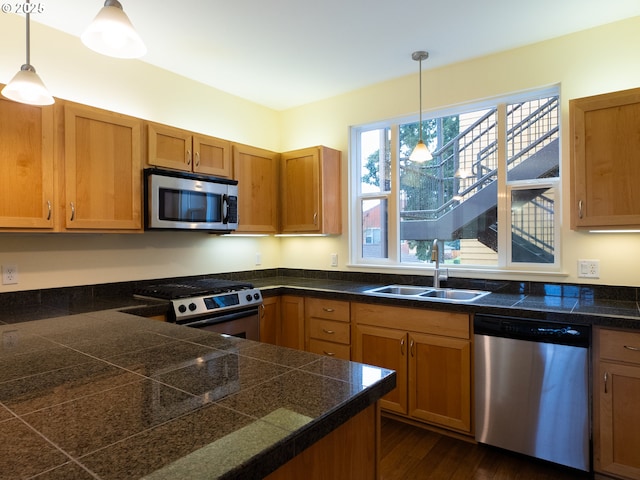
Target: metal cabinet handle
[
  {"x": 197, "y": 155},
  {"x": 48, "y": 209},
  {"x": 315, "y": 218},
  {"x": 634, "y": 349},
  {"x": 402, "y": 347},
  {"x": 606, "y": 378},
  {"x": 263, "y": 310},
  {"x": 188, "y": 157},
  {"x": 331, "y": 354},
  {"x": 580, "y": 209},
  {"x": 330, "y": 310},
  {"x": 412, "y": 348},
  {"x": 330, "y": 332},
  {"x": 73, "y": 212}
]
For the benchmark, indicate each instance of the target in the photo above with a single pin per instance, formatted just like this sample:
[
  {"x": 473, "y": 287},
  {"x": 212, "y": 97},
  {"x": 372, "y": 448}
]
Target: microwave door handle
[{"x": 225, "y": 209}]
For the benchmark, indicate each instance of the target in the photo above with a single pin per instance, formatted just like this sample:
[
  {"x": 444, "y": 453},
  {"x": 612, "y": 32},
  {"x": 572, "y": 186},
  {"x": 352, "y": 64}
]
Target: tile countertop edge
[{"x": 551, "y": 308}]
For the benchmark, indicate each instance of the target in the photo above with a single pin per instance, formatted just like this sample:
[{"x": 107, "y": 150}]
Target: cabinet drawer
[
  {"x": 330, "y": 331},
  {"x": 330, "y": 349},
  {"x": 620, "y": 345},
  {"x": 448, "y": 324},
  {"x": 327, "y": 309}
]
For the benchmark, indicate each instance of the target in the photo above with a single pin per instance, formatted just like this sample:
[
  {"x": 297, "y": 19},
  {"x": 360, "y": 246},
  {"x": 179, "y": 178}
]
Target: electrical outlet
[
  {"x": 258, "y": 258},
  {"x": 9, "y": 339},
  {"x": 334, "y": 259},
  {"x": 9, "y": 274},
  {"x": 589, "y": 268}
]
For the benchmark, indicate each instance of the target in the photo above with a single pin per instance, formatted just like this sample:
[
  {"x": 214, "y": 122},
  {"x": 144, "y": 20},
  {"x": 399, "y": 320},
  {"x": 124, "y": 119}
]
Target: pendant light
[
  {"x": 420, "y": 153},
  {"x": 111, "y": 33},
  {"x": 26, "y": 86}
]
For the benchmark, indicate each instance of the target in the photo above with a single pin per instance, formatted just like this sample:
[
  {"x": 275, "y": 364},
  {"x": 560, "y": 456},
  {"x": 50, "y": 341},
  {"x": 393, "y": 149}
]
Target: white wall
[
  {"x": 595, "y": 61},
  {"x": 587, "y": 63}
]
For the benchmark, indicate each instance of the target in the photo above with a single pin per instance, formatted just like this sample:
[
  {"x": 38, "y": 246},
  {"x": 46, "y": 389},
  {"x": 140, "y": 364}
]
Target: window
[{"x": 490, "y": 196}]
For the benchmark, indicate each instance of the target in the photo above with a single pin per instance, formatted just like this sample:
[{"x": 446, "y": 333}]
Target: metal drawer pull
[
  {"x": 330, "y": 332},
  {"x": 412, "y": 349},
  {"x": 331, "y": 354},
  {"x": 48, "y": 209},
  {"x": 330, "y": 310},
  {"x": 73, "y": 212},
  {"x": 580, "y": 209},
  {"x": 629, "y": 347},
  {"x": 606, "y": 377},
  {"x": 402, "y": 346}
]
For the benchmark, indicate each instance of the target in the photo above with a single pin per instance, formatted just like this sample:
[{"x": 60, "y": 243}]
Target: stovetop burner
[{"x": 191, "y": 288}]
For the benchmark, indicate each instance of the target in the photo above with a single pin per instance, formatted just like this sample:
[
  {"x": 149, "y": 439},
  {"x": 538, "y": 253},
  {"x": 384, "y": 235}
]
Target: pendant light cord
[{"x": 420, "y": 90}]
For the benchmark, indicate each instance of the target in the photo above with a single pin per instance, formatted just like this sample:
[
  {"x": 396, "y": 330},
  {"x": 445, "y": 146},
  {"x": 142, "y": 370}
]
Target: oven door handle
[{"x": 222, "y": 318}]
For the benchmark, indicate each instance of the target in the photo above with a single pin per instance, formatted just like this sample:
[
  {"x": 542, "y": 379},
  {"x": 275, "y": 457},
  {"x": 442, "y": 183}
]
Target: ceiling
[{"x": 284, "y": 53}]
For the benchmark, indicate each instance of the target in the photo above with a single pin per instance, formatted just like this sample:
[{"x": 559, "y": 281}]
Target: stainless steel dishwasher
[{"x": 532, "y": 388}]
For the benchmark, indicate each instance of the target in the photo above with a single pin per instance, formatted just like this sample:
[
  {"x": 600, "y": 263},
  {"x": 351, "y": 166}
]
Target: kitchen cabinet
[
  {"x": 431, "y": 353},
  {"x": 605, "y": 161},
  {"x": 328, "y": 327},
  {"x": 102, "y": 170},
  {"x": 171, "y": 147},
  {"x": 256, "y": 171},
  {"x": 291, "y": 330},
  {"x": 310, "y": 191},
  {"x": 616, "y": 393},
  {"x": 27, "y": 159},
  {"x": 270, "y": 320}
]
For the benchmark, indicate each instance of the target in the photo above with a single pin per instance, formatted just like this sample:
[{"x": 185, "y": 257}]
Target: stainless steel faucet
[{"x": 435, "y": 257}]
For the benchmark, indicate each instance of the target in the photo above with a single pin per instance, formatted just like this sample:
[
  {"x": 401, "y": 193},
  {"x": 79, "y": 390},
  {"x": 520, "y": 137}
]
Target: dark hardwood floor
[{"x": 410, "y": 452}]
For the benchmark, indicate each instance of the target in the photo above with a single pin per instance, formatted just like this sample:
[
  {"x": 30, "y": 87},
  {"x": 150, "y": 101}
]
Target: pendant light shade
[
  {"x": 26, "y": 86},
  {"x": 420, "y": 153},
  {"x": 111, "y": 33}
]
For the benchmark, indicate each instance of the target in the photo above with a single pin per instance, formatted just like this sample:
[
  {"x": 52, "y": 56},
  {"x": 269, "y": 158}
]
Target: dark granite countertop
[{"x": 109, "y": 395}]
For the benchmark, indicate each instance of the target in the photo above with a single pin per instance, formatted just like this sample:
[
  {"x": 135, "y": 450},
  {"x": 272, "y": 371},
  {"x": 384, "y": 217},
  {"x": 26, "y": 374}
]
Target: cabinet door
[
  {"x": 387, "y": 348},
  {"x": 257, "y": 173},
  {"x": 605, "y": 151},
  {"x": 169, "y": 147},
  {"x": 440, "y": 380},
  {"x": 291, "y": 331},
  {"x": 301, "y": 191},
  {"x": 211, "y": 156},
  {"x": 269, "y": 320},
  {"x": 617, "y": 446},
  {"x": 26, "y": 160},
  {"x": 102, "y": 170}
]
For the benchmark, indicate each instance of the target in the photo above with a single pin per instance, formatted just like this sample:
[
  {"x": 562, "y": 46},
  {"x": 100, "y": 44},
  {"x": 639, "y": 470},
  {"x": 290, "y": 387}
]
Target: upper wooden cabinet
[
  {"x": 26, "y": 162},
  {"x": 605, "y": 157},
  {"x": 182, "y": 150},
  {"x": 102, "y": 170},
  {"x": 310, "y": 191},
  {"x": 257, "y": 173}
]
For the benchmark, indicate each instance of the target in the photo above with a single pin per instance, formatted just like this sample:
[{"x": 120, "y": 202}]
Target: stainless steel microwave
[{"x": 185, "y": 201}]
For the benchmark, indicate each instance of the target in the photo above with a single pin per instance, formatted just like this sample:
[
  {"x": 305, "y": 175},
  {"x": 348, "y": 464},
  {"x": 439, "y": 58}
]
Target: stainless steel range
[{"x": 217, "y": 305}]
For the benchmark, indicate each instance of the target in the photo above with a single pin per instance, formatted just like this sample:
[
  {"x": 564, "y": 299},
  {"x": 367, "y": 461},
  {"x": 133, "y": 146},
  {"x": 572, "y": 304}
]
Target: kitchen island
[{"x": 108, "y": 395}]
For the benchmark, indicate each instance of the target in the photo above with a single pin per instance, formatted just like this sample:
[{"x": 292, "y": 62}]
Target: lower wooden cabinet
[
  {"x": 270, "y": 320},
  {"x": 431, "y": 354},
  {"x": 616, "y": 394},
  {"x": 328, "y": 327},
  {"x": 291, "y": 330}
]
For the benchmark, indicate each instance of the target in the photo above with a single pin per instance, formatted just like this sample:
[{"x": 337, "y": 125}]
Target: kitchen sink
[{"x": 428, "y": 293}]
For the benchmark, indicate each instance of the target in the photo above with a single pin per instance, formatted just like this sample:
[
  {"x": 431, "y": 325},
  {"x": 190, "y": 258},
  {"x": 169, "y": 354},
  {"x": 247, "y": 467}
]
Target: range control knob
[
  {"x": 248, "y": 297},
  {"x": 256, "y": 296},
  {"x": 182, "y": 309},
  {"x": 192, "y": 306}
]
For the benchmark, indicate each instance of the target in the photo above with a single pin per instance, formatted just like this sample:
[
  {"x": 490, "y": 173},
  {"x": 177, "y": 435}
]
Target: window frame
[{"x": 505, "y": 187}]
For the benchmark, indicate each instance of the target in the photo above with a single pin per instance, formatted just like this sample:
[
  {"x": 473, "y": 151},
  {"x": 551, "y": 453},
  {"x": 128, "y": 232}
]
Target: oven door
[{"x": 243, "y": 324}]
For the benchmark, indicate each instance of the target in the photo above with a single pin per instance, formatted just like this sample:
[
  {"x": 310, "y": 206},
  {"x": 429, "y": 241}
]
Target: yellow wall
[{"x": 595, "y": 61}]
